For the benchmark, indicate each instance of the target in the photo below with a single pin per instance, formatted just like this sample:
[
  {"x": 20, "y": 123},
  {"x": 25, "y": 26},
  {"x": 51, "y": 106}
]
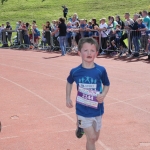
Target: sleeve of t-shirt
[
  {"x": 70, "y": 78},
  {"x": 105, "y": 79}
]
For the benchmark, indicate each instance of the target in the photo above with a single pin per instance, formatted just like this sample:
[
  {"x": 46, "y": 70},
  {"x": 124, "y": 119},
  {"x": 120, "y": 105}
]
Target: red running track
[{"x": 32, "y": 103}]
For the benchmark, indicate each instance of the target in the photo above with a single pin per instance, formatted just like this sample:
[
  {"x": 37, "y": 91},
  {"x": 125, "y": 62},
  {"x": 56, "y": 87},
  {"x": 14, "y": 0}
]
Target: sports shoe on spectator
[
  {"x": 113, "y": 53},
  {"x": 125, "y": 50},
  {"x": 120, "y": 54},
  {"x": 145, "y": 53},
  {"x": 130, "y": 55},
  {"x": 79, "y": 132},
  {"x": 103, "y": 53}
]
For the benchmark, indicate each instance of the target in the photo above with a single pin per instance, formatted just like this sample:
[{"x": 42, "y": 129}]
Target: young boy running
[{"x": 92, "y": 86}]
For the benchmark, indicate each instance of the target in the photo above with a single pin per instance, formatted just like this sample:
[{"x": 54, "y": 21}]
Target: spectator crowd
[{"x": 112, "y": 32}]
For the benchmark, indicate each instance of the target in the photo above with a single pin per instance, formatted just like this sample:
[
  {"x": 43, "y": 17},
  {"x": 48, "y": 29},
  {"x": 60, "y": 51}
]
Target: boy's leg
[{"x": 92, "y": 136}]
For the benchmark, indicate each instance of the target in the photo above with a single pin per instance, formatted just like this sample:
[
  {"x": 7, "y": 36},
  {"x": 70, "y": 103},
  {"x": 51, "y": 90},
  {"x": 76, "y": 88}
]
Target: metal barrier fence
[
  {"x": 25, "y": 41},
  {"x": 109, "y": 42},
  {"x": 136, "y": 42}
]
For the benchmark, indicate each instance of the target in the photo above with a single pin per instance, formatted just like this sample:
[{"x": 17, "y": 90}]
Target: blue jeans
[
  {"x": 62, "y": 43},
  {"x": 136, "y": 43},
  {"x": 26, "y": 39}
]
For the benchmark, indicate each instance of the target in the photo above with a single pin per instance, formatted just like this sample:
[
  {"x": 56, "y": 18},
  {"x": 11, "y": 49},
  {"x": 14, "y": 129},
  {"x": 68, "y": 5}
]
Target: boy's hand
[
  {"x": 69, "y": 103},
  {"x": 100, "y": 97}
]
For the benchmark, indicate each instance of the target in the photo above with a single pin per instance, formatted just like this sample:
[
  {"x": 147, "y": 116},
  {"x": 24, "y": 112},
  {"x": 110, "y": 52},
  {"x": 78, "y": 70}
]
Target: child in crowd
[
  {"x": 92, "y": 85},
  {"x": 43, "y": 40},
  {"x": 89, "y": 27},
  {"x": 86, "y": 33},
  {"x": 104, "y": 35},
  {"x": 36, "y": 33},
  {"x": 55, "y": 40},
  {"x": 118, "y": 33},
  {"x": 82, "y": 27},
  {"x": 69, "y": 34}
]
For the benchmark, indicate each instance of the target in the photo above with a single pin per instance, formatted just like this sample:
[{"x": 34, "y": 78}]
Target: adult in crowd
[
  {"x": 62, "y": 28},
  {"x": 47, "y": 29},
  {"x": 9, "y": 33},
  {"x": 65, "y": 11},
  {"x": 146, "y": 19},
  {"x": 128, "y": 21}
]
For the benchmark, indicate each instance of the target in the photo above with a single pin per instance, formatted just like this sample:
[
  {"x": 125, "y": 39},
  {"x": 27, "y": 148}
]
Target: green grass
[{"x": 28, "y": 10}]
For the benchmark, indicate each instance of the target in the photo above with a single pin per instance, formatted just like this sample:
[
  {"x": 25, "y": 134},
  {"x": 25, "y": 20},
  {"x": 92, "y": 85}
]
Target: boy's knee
[{"x": 92, "y": 139}]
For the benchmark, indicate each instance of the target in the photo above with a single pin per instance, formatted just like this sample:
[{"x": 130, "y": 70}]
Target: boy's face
[
  {"x": 88, "y": 53},
  {"x": 139, "y": 22}
]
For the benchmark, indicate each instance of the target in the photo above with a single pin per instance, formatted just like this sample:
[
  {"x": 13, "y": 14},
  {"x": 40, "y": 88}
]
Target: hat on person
[{"x": 7, "y": 22}]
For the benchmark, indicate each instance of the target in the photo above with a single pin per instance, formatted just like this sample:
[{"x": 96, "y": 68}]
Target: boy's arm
[
  {"x": 100, "y": 97},
  {"x": 68, "y": 94}
]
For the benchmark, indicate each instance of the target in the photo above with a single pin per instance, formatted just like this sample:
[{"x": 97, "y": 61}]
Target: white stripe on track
[{"x": 43, "y": 99}]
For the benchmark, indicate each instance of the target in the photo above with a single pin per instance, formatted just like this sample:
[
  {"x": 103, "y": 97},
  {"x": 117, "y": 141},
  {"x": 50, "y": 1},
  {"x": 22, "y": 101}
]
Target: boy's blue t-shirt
[
  {"x": 142, "y": 26},
  {"x": 94, "y": 79},
  {"x": 118, "y": 34}
]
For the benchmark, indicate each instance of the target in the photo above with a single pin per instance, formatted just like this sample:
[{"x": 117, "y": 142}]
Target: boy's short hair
[
  {"x": 90, "y": 22},
  {"x": 139, "y": 19},
  {"x": 89, "y": 40}
]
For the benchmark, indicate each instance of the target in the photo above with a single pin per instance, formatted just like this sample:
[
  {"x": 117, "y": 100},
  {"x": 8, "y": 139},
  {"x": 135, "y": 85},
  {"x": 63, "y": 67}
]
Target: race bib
[{"x": 87, "y": 97}]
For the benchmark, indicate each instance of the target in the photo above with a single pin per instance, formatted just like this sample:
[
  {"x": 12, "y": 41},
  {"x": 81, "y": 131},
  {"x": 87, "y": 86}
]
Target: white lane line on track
[
  {"x": 128, "y": 81},
  {"x": 107, "y": 66},
  {"x": 34, "y": 72},
  {"x": 118, "y": 101},
  {"x": 125, "y": 102},
  {"x": 43, "y": 99},
  {"x": 9, "y": 137}
]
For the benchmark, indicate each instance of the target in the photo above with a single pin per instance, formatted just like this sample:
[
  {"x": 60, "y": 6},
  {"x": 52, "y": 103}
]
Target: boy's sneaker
[{"x": 79, "y": 132}]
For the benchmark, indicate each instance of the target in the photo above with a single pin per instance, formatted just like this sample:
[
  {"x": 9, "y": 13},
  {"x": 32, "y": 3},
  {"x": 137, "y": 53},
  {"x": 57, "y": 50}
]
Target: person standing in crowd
[
  {"x": 9, "y": 33},
  {"x": 144, "y": 38},
  {"x": 136, "y": 35},
  {"x": 62, "y": 28},
  {"x": 120, "y": 22},
  {"x": 126, "y": 35},
  {"x": 146, "y": 19},
  {"x": 47, "y": 29},
  {"x": 33, "y": 22},
  {"x": 65, "y": 11}
]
